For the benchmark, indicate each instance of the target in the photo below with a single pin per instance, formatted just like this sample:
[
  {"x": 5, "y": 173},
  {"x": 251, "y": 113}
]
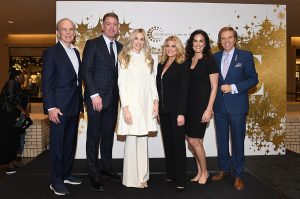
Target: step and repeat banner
[{"x": 261, "y": 29}]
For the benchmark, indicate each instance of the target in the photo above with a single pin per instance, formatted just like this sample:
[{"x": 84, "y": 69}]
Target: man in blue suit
[
  {"x": 62, "y": 96},
  {"x": 100, "y": 75},
  {"x": 237, "y": 76}
]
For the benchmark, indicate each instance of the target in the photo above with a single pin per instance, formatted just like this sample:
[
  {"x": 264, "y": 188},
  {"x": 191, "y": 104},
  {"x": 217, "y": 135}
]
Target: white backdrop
[{"x": 161, "y": 19}]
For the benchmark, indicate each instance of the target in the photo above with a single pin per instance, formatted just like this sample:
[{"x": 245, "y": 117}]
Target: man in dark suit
[
  {"x": 62, "y": 96},
  {"x": 237, "y": 76},
  {"x": 100, "y": 75}
]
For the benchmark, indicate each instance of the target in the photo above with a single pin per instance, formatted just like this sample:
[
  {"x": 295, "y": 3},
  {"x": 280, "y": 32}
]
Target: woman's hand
[
  {"x": 207, "y": 115},
  {"x": 180, "y": 120},
  {"x": 155, "y": 109},
  {"x": 127, "y": 116}
]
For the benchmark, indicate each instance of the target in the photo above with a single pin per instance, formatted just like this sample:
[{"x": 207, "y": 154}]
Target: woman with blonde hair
[
  {"x": 139, "y": 107},
  {"x": 172, "y": 86}
]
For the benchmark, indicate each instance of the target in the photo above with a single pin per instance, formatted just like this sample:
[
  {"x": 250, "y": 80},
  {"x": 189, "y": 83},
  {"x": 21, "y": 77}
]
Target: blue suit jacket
[
  {"x": 59, "y": 81},
  {"x": 242, "y": 73},
  {"x": 100, "y": 75}
]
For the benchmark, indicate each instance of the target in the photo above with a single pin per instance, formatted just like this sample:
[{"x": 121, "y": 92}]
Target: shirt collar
[
  {"x": 71, "y": 47},
  {"x": 107, "y": 40},
  {"x": 230, "y": 52}
]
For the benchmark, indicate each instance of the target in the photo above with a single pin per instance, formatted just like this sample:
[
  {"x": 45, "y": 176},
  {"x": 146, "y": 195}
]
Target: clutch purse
[{"x": 23, "y": 122}]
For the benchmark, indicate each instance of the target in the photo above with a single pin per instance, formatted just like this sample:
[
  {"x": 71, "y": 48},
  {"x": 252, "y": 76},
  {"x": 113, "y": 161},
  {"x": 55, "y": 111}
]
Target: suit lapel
[
  {"x": 106, "y": 51},
  {"x": 65, "y": 57},
  {"x": 171, "y": 69},
  {"x": 233, "y": 62},
  {"x": 79, "y": 61},
  {"x": 218, "y": 59}
]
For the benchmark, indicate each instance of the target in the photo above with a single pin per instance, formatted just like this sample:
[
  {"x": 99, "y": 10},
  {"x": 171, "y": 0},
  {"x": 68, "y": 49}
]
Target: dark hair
[
  {"x": 110, "y": 14},
  {"x": 189, "y": 45},
  {"x": 224, "y": 29},
  {"x": 13, "y": 73}
]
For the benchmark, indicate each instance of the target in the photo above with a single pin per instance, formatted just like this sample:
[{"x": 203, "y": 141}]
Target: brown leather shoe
[
  {"x": 220, "y": 176},
  {"x": 238, "y": 184}
]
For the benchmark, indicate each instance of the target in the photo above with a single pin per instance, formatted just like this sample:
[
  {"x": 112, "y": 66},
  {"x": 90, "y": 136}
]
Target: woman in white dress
[{"x": 139, "y": 107}]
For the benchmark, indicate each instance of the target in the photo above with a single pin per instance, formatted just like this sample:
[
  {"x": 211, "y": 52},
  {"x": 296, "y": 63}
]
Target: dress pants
[
  {"x": 136, "y": 161},
  {"x": 237, "y": 125},
  {"x": 174, "y": 146},
  {"x": 100, "y": 131},
  {"x": 9, "y": 136},
  {"x": 63, "y": 137}
]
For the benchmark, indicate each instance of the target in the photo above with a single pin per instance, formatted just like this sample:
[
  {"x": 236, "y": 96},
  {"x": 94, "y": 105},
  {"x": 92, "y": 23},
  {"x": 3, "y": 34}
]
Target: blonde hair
[
  {"x": 180, "y": 56},
  {"x": 125, "y": 56}
]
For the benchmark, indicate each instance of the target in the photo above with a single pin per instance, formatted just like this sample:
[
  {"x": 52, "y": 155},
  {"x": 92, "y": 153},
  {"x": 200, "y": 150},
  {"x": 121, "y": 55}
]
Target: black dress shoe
[
  {"x": 168, "y": 181},
  {"x": 180, "y": 189},
  {"x": 97, "y": 183},
  {"x": 113, "y": 175}
]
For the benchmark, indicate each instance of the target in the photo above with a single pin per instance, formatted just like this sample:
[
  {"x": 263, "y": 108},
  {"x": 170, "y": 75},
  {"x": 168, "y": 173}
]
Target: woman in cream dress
[{"x": 139, "y": 107}]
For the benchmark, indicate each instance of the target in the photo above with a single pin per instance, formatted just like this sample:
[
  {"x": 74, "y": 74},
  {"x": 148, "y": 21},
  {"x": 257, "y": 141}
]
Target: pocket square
[{"x": 238, "y": 65}]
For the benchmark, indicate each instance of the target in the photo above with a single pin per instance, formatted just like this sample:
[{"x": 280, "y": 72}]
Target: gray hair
[{"x": 64, "y": 19}]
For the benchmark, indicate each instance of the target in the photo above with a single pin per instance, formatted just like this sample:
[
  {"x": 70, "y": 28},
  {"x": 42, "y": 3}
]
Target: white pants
[{"x": 136, "y": 161}]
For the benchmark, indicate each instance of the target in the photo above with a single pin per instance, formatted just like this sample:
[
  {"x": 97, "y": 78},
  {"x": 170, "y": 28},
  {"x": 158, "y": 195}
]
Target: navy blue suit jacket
[
  {"x": 100, "y": 75},
  {"x": 242, "y": 73},
  {"x": 59, "y": 81}
]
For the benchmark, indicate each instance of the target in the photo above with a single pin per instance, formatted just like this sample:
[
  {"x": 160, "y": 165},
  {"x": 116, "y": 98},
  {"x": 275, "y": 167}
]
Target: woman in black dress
[
  {"x": 10, "y": 110},
  {"x": 203, "y": 82}
]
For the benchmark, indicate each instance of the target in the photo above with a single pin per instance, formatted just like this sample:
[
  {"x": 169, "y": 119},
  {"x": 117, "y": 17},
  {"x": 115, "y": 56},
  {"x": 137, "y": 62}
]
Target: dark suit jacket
[
  {"x": 242, "y": 73},
  {"x": 59, "y": 81},
  {"x": 100, "y": 75},
  {"x": 11, "y": 96},
  {"x": 172, "y": 88}
]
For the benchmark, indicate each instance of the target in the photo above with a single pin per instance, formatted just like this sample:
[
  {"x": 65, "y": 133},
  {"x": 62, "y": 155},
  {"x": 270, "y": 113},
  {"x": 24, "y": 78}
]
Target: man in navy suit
[
  {"x": 237, "y": 76},
  {"x": 100, "y": 75},
  {"x": 62, "y": 96}
]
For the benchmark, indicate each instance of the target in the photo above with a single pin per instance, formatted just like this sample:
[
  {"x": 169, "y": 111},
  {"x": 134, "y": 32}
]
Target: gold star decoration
[{"x": 246, "y": 27}]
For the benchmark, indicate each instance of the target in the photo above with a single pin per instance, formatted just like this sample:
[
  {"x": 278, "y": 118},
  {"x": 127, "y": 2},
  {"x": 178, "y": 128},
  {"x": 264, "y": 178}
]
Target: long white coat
[{"x": 137, "y": 89}]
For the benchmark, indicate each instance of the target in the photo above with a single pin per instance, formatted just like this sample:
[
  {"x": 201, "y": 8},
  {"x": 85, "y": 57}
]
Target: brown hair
[{"x": 110, "y": 14}]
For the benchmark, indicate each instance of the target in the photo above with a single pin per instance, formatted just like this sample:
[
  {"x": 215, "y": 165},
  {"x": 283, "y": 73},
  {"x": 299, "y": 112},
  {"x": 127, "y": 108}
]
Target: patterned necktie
[
  {"x": 111, "y": 52},
  {"x": 225, "y": 65}
]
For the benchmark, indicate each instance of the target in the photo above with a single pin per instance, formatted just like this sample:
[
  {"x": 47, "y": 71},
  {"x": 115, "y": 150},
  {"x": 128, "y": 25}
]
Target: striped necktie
[{"x": 225, "y": 65}]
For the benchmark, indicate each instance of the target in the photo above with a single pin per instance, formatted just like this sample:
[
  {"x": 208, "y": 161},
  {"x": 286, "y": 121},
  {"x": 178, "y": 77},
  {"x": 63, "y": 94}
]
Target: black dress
[{"x": 198, "y": 95}]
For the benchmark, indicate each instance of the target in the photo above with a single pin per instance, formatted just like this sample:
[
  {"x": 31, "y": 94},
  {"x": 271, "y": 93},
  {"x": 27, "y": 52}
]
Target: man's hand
[
  {"x": 97, "y": 103},
  {"x": 53, "y": 115},
  {"x": 225, "y": 88}
]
